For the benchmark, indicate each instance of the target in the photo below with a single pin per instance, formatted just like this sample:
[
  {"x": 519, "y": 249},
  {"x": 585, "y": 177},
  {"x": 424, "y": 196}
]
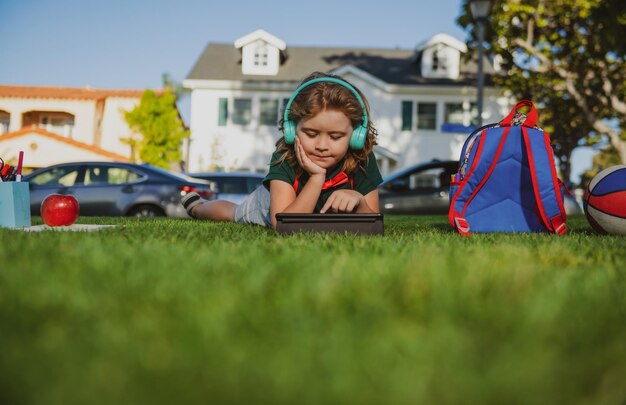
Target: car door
[
  {"x": 107, "y": 190},
  {"x": 55, "y": 180},
  {"x": 424, "y": 191},
  {"x": 252, "y": 183}
]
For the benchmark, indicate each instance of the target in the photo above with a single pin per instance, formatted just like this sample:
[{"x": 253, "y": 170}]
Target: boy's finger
[
  {"x": 328, "y": 203},
  {"x": 343, "y": 205}
]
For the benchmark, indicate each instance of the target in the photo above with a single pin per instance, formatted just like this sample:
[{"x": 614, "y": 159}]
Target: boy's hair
[{"x": 321, "y": 96}]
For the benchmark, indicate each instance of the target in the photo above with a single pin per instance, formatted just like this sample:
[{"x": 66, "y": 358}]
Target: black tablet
[{"x": 339, "y": 223}]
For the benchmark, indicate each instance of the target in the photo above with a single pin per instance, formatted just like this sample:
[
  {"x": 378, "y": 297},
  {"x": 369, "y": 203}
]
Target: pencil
[{"x": 18, "y": 177}]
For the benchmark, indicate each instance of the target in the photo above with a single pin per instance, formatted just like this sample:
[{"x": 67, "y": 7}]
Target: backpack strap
[
  {"x": 489, "y": 149},
  {"x": 454, "y": 215},
  {"x": 467, "y": 147},
  {"x": 545, "y": 180}
]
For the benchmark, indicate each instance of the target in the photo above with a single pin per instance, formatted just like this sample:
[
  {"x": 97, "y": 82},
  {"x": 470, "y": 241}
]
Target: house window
[
  {"x": 439, "y": 61},
  {"x": 453, "y": 113},
  {"x": 426, "y": 116},
  {"x": 61, "y": 124},
  {"x": 407, "y": 115},
  {"x": 260, "y": 54},
  {"x": 269, "y": 112},
  {"x": 5, "y": 121},
  {"x": 242, "y": 113},
  {"x": 222, "y": 117}
]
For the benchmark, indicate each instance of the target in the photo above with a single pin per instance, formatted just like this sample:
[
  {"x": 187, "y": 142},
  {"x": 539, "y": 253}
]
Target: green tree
[
  {"x": 568, "y": 56},
  {"x": 174, "y": 86},
  {"x": 159, "y": 127},
  {"x": 604, "y": 159}
]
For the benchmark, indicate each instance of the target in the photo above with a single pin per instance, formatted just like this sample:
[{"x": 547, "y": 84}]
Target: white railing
[{"x": 64, "y": 130}]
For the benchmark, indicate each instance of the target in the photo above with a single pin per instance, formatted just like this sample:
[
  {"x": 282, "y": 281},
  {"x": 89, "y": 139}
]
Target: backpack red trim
[
  {"x": 555, "y": 179},
  {"x": 533, "y": 176},
  {"x": 462, "y": 226},
  {"x": 453, "y": 214}
]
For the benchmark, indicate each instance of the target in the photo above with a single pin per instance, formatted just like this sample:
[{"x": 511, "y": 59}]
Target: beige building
[{"x": 59, "y": 124}]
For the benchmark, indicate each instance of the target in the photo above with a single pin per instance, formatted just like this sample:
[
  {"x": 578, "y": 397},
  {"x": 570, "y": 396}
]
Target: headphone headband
[{"x": 330, "y": 80}]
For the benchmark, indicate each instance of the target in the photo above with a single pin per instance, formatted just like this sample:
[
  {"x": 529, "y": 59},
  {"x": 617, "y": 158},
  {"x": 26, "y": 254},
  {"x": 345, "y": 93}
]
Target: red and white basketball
[{"x": 605, "y": 201}]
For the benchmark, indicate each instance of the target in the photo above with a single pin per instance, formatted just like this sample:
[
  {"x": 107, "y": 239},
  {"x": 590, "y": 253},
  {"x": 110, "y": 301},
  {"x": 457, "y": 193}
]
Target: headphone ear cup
[
  {"x": 357, "y": 140},
  {"x": 289, "y": 129}
]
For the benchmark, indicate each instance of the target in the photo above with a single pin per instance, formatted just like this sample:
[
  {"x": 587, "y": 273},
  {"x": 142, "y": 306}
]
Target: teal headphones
[{"x": 357, "y": 139}]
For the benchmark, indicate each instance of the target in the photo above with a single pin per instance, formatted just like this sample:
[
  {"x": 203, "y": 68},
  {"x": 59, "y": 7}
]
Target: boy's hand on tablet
[{"x": 342, "y": 201}]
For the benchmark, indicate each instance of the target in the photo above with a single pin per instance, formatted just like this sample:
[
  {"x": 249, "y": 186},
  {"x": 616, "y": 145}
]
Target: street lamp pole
[
  {"x": 480, "y": 11},
  {"x": 481, "y": 74}
]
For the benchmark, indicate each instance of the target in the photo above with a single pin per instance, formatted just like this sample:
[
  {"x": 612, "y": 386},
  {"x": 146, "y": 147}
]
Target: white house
[
  {"x": 59, "y": 124},
  {"x": 422, "y": 100}
]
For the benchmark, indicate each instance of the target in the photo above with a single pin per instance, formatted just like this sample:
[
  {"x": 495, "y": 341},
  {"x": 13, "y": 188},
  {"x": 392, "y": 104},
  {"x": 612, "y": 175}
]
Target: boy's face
[{"x": 325, "y": 137}]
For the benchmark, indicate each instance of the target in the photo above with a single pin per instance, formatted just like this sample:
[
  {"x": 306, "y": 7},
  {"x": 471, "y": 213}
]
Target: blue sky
[{"x": 130, "y": 44}]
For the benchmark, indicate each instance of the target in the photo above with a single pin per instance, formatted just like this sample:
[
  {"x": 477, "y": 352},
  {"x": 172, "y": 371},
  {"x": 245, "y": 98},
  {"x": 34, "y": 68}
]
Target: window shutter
[
  {"x": 223, "y": 113},
  {"x": 407, "y": 115}
]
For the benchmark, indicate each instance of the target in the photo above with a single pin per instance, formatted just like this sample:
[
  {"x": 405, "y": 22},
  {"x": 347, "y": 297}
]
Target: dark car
[
  {"x": 116, "y": 189},
  {"x": 232, "y": 186},
  {"x": 425, "y": 189},
  {"x": 420, "y": 189}
]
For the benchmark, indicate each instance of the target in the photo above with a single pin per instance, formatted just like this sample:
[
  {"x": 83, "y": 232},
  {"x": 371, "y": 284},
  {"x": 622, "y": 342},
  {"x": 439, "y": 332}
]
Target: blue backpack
[{"x": 507, "y": 179}]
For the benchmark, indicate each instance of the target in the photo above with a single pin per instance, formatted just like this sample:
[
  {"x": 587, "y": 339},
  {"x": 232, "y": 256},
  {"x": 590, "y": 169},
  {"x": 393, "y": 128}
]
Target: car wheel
[{"x": 146, "y": 210}]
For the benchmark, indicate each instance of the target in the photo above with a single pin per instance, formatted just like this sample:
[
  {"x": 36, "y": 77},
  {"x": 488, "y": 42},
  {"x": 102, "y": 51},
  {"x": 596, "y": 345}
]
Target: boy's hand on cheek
[
  {"x": 342, "y": 201},
  {"x": 307, "y": 164}
]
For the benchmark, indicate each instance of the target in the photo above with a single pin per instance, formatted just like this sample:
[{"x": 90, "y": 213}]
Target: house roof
[
  {"x": 445, "y": 39},
  {"x": 393, "y": 66},
  {"x": 36, "y": 130},
  {"x": 85, "y": 93},
  {"x": 261, "y": 34}
]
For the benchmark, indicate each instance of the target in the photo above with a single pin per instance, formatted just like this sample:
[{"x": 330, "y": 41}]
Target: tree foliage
[
  {"x": 159, "y": 127},
  {"x": 569, "y": 57},
  {"x": 175, "y": 87},
  {"x": 604, "y": 159}
]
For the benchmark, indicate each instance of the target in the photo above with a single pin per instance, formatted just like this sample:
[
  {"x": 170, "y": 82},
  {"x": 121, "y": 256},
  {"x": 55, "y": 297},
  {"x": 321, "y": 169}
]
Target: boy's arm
[
  {"x": 369, "y": 204},
  {"x": 283, "y": 197}
]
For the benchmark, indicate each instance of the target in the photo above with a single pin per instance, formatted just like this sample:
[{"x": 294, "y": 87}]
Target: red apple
[{"x": 59, "y": 210}]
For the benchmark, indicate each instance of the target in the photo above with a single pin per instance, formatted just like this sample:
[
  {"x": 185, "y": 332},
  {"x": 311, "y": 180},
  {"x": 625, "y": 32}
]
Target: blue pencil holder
[{"x": 14, "y": 204}]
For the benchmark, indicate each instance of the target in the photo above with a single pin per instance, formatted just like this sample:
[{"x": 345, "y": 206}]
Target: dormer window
[
  {"x": 260, "y": 53},
  {"x": 439, "y": 60},
  {"x": 440, "y": 56}
]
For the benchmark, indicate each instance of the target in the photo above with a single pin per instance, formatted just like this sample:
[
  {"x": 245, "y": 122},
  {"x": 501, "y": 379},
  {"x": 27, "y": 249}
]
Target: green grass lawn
[{"x": 181, "y": 311}]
